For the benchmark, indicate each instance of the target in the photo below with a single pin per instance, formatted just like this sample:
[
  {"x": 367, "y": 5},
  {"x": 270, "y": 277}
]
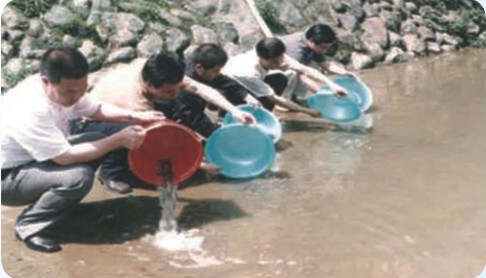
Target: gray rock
[
  {"x": 13, "y": 35},
  {"x": 121, "y": 55},
  {"x": 186, "y": 16},
  {"x": 320, "y": 12},
  {"x": 447, "y": 48},
  {"x": 291, "y": 16},
  {"x": 82, "y": 7},
  {"x": 395, "y": 55},
  {"x": 375, "y": 52},
  {"x": 302, "y": 3},
  {"x": 58, "y": 16},
  {"x": 411, "y": 7},
  {"x": 449, "y": 39},
  {"x": 203, "y": 7},
  {"x": 414, "y": 44},
  {"x": 348, "y": 22},
  {"x": 94, "y": 54},
  {"x": 35, "y": 28},
  {"x": 426, "y": 34},
  {"x": 97, "y": 8},
  {"x": 203, "y": 35},
  {"x": 339, "y": 6},
  {"x": 392, "y": 20},
  {"x": 13, "y": 18},
  {"x": 224, "y": 6},
  {"x": 150, "y": 44},
  {"x": 157, "y": 27},
  {"x": 170, "y": 19},
  {"x": 375, "y": 32},
  {"x": 408, "y": 27},
  {"x": 351, "y": 39},
  {"x": 417, "y": 20},
  {"x": 226, "y": 32},
  {"x": 434, "y": 47},
  {"x": 14, "y": 66},
  {"x": 68, "y": 41},
  {"x": 361, "y": 61},
  {"x": 473, "y": 29},
  {"x": 120, "y": 29},
  {"x": 175, "y": 39},
  {"x": 371, "y": 10},
  {"x": 396, "y": 40},
  {"x": 385, "y": 6},
  {"x": 355, "y": 8},
  {"x": 31, "y": 48},
  {"x": 7, "y": 49}
]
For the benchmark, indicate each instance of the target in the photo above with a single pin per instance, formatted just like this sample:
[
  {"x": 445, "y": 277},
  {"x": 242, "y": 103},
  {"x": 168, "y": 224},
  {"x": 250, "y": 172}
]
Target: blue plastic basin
[
  {"x": 241, "y": 151},
  {"x": 356, "y": 89},
  {"x": 336, "y": 109},
  {"x": 266, "y": 121}
]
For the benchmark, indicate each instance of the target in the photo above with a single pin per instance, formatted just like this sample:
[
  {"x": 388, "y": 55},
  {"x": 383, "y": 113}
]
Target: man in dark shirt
[
  {"x": 309, "y": 48},
  {"x": 204, "y": 65}
]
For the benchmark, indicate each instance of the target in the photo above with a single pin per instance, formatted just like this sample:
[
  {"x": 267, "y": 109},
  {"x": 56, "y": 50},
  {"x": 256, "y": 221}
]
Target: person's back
[{"x": 122, "y": 86}]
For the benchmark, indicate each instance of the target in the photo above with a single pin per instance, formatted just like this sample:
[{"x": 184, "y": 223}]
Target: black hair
[
  {"x": 164, "y": 67},
  {"x": 320, "y": 33},
  {"x": 209, "y": 55},
  {"x": 270, "y": 48},
  {"x": 63, "y": 62}
]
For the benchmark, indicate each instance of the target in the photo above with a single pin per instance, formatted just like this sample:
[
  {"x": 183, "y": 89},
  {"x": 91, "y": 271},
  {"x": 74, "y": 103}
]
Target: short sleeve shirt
[
  {"x": 246, "y": 69},
  {"x": 296, "y": 47},
  {"x": 33, "y": 128}
]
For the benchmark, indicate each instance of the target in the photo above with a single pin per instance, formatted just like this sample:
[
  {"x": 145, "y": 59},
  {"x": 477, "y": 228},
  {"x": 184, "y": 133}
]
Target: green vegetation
[
  {"x": 148, "y": 11},
  {"x": 32, "y": 8},
  {"x": 268, "y": 12},
  {"x": 13, "y": 78}
]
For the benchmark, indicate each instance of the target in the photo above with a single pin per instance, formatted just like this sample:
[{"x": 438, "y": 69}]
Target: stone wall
[{"x": 110, "y": 32}]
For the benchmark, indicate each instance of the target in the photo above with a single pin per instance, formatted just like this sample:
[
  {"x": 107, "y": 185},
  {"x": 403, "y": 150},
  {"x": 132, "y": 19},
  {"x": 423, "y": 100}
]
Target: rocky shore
[{"x": 371, "y": 32}]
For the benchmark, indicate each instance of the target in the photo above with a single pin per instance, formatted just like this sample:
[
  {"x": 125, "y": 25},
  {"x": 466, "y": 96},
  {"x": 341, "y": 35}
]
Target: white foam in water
[
  {"x": 188, "y": 246},
  {"x": 174, "y": 241}
]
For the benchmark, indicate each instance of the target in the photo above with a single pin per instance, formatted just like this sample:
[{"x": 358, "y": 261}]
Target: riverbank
[{"x": 110, "y": 32}]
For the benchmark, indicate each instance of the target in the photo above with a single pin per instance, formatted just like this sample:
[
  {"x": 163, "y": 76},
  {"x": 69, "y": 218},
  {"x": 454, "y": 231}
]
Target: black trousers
[{"x": 278, "y": 82}]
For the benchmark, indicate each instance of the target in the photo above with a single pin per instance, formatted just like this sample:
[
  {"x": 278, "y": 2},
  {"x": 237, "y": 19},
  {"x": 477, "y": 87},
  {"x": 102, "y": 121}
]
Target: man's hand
[
  {"x": 142, "y": 117},
  {"x": 243, "y": 117},
  {"x": 313, "y": 113},
  {"x": 338, "y": 90},
  {"x": 210, "y": 168},
  {"x": 350, "y": 74},
  {"x": 252, "y": 101},
  {"x": 132, "y": 136}
]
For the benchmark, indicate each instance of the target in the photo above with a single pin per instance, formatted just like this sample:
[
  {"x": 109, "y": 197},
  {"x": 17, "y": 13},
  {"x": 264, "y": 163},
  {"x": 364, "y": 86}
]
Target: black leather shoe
[
  {"x": 116, "y": 186},
  {"x": 42, "y": 244}
]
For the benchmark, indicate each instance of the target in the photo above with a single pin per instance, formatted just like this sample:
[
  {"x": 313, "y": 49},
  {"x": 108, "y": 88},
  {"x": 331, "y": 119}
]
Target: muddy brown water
[{"x": 406, "y": 199}]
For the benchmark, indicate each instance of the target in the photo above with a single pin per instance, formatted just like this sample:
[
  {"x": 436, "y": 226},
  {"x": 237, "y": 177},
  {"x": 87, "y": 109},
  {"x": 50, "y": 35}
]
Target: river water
[{"x": 403, "y": 199}]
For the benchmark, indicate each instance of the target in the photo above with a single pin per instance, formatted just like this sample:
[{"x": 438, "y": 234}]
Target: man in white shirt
[
  {"x": 255, "y": 70},
  {"x": 41, "y": 165}
]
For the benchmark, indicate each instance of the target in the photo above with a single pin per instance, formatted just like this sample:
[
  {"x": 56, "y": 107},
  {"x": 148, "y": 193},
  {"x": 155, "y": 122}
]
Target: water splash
[
  {"x": 167, "y": 197},
  {"x": 187, "y": 244}
]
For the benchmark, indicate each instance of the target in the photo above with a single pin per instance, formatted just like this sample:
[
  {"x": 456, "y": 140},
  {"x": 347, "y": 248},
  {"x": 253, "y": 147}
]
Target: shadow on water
[
  {"x": 318, "y": 126},
  {"x": 200, "y": 212},
  {"x": 119, "y": 220},
  {"x": 307, "y": 126}
]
